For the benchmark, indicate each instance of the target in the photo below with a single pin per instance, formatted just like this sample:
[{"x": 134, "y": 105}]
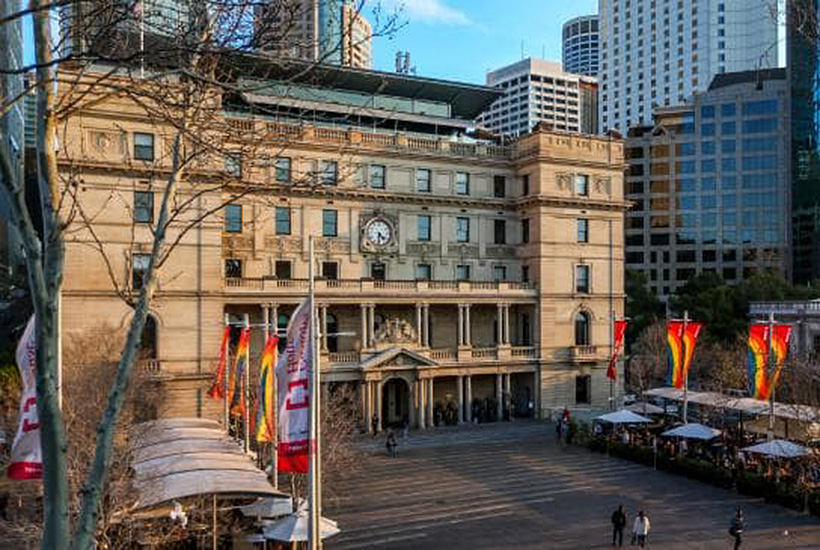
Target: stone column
[
  {"x": 266, "y": 321},
  {"x": 506, "y": 317},
  {"x": 499, "y": 403},
  {"x": 499, "y": 321},
  {"x": 363, "y": 399},
  {"x": 411, "y": 406},
  {"x": 430, "y": 396},
  {"x": 367, "y": 387},
  {"x": 508, "y": 393},
  {"x": 377, "y": 386},
  {"x": 419, "y": 320},
  {"x": 426, "y": 325},
  {"x": 468, "y": 398},
  {"x": 371, "y": 325},
  {"x": 274, "y": 319},
  {"x": 323, "y": 312},
  {"x": 460, "y": 325},
  {"x": 365, "y": 343},
  {"x": 460, "y": 384},
  {"x": 468, "y": 337},
  {"x": 420, "y": 410}
]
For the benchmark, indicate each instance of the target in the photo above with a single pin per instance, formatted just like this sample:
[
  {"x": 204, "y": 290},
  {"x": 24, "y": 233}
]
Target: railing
[
  {"x": 344, "y": 357},
  {"x": 272, "y": 284},
  {"x": 442, "y": 285},
  {"x": 149, "y": 366},
  {"x": 387, "y": 140},
  {"x": 443, "y": 354},
  {"x": 584, "y": 352},
  {"x": 784, "y": 308},
  {"x": 395, "y": 285},
  {"x": 330, "y": 134},
  {"x": 484, "y": 353},
  {"x": 523, "y": 352},
  {"x": 244, "y": 283}
]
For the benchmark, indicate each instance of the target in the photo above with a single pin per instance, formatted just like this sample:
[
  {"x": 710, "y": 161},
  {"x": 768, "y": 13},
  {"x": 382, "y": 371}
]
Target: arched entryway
[{"x": 395, "y": 403}]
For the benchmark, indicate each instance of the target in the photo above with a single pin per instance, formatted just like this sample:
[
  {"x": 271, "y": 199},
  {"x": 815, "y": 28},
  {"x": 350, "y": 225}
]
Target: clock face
[{"x": 379, "y": 232}]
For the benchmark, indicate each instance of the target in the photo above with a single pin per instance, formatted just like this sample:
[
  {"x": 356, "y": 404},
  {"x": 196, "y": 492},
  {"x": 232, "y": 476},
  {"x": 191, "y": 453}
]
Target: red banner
[
  {"x": 674, "y": 343},
  {"x": 238, "y": 382},
  {"x": 781, "y": 336},
  {"x": 620, "y": 333},
  {"x": 26, "y": 457},
  {"x": 690, "y": 340},
  {"x": 218, "y": 389}
]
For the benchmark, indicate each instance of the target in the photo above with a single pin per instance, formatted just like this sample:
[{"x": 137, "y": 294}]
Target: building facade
[
  {"x": 455, "y": 278},
  {"x": 538, "y": 91},
  {"x": 334, "y": 32},
  {"x": 804, "y": 316},
  {"x": 581, "y": 45},
  {"x": 660, "y": 52},
  {"x": 710, "y": 184}
]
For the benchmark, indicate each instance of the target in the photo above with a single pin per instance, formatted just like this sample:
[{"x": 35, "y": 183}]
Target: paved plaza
[{"x": 512, "y": 486}]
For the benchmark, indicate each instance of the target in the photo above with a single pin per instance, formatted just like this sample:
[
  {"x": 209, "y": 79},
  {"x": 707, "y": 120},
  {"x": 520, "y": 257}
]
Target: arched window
[
  {"x": 148, "y": 342},
  {"x": 332, "y": 330},
  {"x": 582, "y": 326}
]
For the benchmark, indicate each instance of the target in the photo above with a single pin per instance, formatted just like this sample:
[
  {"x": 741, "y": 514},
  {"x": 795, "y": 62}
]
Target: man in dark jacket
[
  {"x": 618, "y": 524},
  {"x": 736, "y": 528}
]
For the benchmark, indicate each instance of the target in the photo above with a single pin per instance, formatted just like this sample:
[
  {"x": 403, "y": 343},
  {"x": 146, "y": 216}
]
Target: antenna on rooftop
[{"x": 403, "y": 63}]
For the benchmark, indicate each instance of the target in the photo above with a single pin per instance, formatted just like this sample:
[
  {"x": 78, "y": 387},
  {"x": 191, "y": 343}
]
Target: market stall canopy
[
  {"x": 693, "y": 431},
  {"x": 623, "y": 417},
  {"x": 644, "y": 408},
  {"x": 746, "y": 405},
  {"x": 294, "y": 528},
  {"x": 778, "y": 448},
  {"x": 182, "y": 458}
]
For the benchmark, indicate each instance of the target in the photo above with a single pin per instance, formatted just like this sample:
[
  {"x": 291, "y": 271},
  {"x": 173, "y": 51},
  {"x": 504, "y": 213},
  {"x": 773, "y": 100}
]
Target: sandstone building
[{"x": 457, "y": 277}]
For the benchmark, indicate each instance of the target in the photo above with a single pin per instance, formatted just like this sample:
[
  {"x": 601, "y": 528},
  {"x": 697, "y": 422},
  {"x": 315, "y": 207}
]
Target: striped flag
[
  {"x": 758, "y": 359},
  {"x": 620, "y": 333},
  {"x": 218, "y": 389},
  {"x": 265, "y": 398},
  {"x": 237, "y": 383}
]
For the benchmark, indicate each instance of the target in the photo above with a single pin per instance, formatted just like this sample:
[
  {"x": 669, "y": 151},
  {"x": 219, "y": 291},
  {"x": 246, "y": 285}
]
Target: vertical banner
[
  {"x": 690, "y": 340},
  {"x": 674, "y": 343},
  {"x": 237, "y": 382},
  {"x": 266, "y": 403},
  {"x": 620, "y": 333},
  {"x": 293, "y": 373},
  {"x": 781, "y": 337},
  {"x": 758, "y": 360},
  {"x": 26, "y": 457},
  {"x": 218, "y": 388}
]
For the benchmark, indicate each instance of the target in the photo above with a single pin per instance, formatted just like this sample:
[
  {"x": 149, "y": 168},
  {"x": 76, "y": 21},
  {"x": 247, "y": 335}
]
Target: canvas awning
[
  {"x": 778, "y": 448},
  {"x": 745, "y": 405},
  {"x": 693, "y": 431},
  {"x": 183, "y": 458},
  {"x": 623, "y": 417},
  {"x": 644, "y": 408}
]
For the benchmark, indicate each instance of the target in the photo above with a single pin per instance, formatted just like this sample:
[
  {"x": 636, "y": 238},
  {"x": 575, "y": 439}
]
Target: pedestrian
[
  {"x": 391, "y": 444},
  {"x": 375, "y": 422},
  {"x": 736, "y": 528},
  {"x": 559, "y": 430},
  {"x": 640, "y": 529},
  {"x": 406, "y": 429},
  {"x": 618, "y": 524}
]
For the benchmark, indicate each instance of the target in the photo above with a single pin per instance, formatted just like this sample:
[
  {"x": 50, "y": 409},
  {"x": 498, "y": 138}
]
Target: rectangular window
[
  {"x": 500, "y": 231},
  {"x": 139, "y": 267},
  {"x": 143, "y": 146},
  {"x": 525, "y": 184},
  {"x": 282, "y": 169},
  {"x": 424, "y": 272},
  {"x": 707, "y": 111},
  {"x": 582, "y": 185},
  {"x": 283, "y": 269},
  {"x": 583, "y": 230},
  {"x": 463, "y": 230},
  {"x": 233, "y": 218},
  {"x": 329, "y": 172},
  {"x": 424, "y": 228},
  {"x": 763, "y": 107},
  {"x": 330, "y": 223},
  {"x": 462, "y": 272},
  {"x": 282, "y": 220},
  {"x": 499, "y": 187},
  {"x": 423, "y": 180},
  {"x": 462, "y": 183},
  {"x": 233, "y": 268},
  {"x": 499, "y": 273},
  {"x": 727, "y": 110},
  {"x": 378, "y": 271},
  {"x": 728, "y": 128},
  {"x": 582, "y": 279},
  {"x": 583, "y": 386},
  {"x": 525, "y": 274},
  {"x": 143, "y": 207},
  {"x": 330, "y": 270},
  {"x": 377, "y": 176},
  {"x": 760, "y": 126},
  {"x": 525, "y": 230}
]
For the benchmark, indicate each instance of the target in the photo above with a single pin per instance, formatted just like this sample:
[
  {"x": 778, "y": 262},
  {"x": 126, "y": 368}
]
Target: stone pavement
[{"x": 511, "y": 486}]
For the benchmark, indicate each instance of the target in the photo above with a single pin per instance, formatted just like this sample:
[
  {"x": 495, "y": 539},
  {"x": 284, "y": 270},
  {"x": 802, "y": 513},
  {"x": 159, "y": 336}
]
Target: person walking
[
  {"x": 375, "y": 422},
  {"x": 618, "y": 524},
  {"x": 640, "y": 529},
  {"x": 391, "y": 444},
  {"x": 736, "y": 528}
]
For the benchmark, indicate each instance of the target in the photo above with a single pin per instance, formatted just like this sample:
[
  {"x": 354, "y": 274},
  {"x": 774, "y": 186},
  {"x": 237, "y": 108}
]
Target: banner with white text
[{"x": 26, "y": 458}]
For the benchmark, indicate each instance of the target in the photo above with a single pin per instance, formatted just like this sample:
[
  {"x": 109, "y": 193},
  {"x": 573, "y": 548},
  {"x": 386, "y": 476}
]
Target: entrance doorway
[{"x": 395, "y": 403}]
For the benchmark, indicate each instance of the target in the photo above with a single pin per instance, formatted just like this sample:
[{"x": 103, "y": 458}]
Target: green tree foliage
[{"x": 643, "y": 308}]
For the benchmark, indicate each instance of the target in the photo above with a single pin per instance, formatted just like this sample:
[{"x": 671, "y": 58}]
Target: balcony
[
  {"x": 355, "y": 288},
  {"x": 584, "y": 353},
  {"x": 444, "y": 355}
]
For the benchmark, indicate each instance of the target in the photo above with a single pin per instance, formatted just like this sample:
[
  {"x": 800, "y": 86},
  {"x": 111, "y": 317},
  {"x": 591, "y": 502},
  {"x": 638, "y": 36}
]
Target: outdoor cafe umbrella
[
  {"x": 644, "y": 408},
  {"x": 693, "y": 431},
  {"x": 623, "y": 417},
  {"x": 294, "y": 528},
  {"x": 778, "y": 448}
]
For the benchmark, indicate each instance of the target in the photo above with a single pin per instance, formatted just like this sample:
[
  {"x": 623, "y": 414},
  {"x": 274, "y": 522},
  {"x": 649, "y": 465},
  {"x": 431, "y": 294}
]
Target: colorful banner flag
[
  {"x": 26, "y": 456},
  {"x": 265, "y": 399},
  {"x": 293, "y": 373},
  {"x": 758, "y": 360},
  {"x": 620, "y": 333},
  {"x": 690, "y": 340},
  {"x": 218, "y": 389},
  {"x": 237, "y": 383},
  {"x": 674, "y": 343},
  {"x": 781, "y": 337}
]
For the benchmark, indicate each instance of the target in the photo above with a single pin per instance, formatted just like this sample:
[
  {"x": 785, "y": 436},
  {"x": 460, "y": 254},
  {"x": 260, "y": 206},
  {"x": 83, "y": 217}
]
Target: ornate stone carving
[
  {"x": 464, "y": 250},
  {"x": 283, "y": 245},
  {"x": 235, "y": 242},
  {"x": 603, "y": 185},
  {"x": 103, "y": 141},
  {"x": 564, "y": 181},
  {"x": 396, "y": 331},
  {"x": 423, "y": 249},
  {"x": 500, "y": 251},
  {"x": 332, "y": 246},
  {"x": 392, "y": 222}
]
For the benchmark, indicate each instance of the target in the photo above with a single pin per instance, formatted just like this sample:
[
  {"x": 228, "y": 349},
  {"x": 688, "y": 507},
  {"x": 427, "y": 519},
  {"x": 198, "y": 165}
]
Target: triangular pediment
[{"x": 397, "y": 357}]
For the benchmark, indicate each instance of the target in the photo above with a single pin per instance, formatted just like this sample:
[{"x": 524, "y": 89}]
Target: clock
[{"x": 378, "y": 232}]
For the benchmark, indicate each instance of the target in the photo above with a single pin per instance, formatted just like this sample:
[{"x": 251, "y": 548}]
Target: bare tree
[
  {"x": 647, "y": 364},
  {"x": 177, "y": 80}
]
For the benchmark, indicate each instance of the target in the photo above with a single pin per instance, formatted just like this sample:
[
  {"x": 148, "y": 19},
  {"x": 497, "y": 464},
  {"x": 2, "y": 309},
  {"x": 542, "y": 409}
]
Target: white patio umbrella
[
  {"x": 623, "y": 417},
  {"x": 693, "y": 431},
  {"x": 294, "y": 528},
  {"x": 778, "y": 448},
  {"x": 644, "y": 408}
]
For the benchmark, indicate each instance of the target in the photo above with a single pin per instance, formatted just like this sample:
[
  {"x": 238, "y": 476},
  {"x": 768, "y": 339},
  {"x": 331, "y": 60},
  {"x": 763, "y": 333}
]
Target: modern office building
[
  {"x": 454, "y": 274},
  {"x": 11, "y": 129},
  {"x": 333, "y": 32},
  {"x": 581, "y": 45},
  {"x": 710, "y": 184},
  {"x": 538, "y": 91},
  {"x": 660, "y": 52}
]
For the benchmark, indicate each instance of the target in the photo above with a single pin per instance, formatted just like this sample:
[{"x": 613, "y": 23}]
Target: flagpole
[
  {"x": 770, "y": 380},
  {"x": 246, "y": 394},
  {"x": 314, "y": 534},
  {"x": 226, "y": 376},
  {"x": 685, "y": 371},
  {"x": 611, "y": 322},
  {"x": 275, "y": 426}
]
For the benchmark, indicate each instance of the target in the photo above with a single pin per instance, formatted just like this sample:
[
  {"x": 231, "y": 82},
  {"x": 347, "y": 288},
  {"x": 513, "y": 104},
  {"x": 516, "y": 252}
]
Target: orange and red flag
[{"x": 620, "y": 333}]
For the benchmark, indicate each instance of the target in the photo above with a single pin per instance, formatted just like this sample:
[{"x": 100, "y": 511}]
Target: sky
[{"x": 464, "y": 39}]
